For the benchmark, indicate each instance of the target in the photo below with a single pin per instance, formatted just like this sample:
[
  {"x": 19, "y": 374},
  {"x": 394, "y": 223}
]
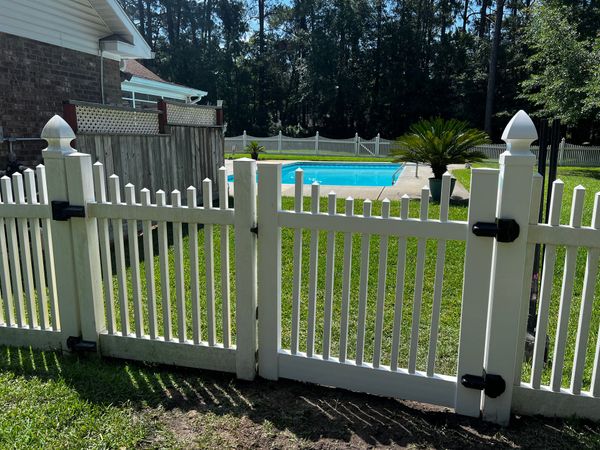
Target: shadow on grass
[
  {"x": 580, "y": 172},
  {"x": 320, "y": 415}
]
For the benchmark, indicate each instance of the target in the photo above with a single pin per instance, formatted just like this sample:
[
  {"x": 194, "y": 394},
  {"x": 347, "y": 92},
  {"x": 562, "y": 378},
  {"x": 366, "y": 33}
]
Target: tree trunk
[
  {"x": 483, "y": 18},
  {"x": 142, "y": 14},
  {"x": 170, "y": 22},
  {"x": 377, "y": 65},
  {"x": 262, "y": 111},
  {"x": 149, "y": 30},
  {"x": 465, "y": 17},
  {"x": 491, "y": 87}
]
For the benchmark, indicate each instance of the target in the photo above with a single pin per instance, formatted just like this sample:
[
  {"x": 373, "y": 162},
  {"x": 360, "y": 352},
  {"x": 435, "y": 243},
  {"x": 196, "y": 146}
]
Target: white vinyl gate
[
  {"x": 366, "y": 372},
  {"x": 72, "y": 275}
]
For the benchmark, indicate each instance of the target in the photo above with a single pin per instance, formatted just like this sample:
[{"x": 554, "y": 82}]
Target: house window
[{"x": 137, "y": 100}]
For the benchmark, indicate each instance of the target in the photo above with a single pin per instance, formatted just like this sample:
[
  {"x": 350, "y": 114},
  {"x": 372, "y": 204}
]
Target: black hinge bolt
[
  {"x": 504, "y": 230},
  {"x": 62, "y": 210},
  {"x": 76, "y": 344},
  {"x": 492, "y": 385}
]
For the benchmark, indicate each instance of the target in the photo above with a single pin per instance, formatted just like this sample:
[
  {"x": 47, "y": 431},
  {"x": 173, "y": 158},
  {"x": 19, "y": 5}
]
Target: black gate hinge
[
  {"x": 62, "y": 210},
  {"x": 76, "y": 344},
  {"x": 504, "y": 230},
  {"x": 492, "y": 385},
  {"x": 254, "y": 230}
]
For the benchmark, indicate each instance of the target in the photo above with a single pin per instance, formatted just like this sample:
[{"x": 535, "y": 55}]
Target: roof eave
[
  {"x": 125, "y": 50},
  {"x": 161, "y": 88},
  {"x": 118, "y": 21}
]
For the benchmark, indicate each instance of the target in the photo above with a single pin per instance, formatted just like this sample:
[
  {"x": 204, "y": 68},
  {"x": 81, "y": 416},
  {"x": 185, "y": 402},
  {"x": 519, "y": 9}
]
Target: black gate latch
[
  {"x": 504, "y": 230},
  {"x": 62, "y": 210},
  {"x": 491, "y": 385},
  {"x": 76, "y": 344}
]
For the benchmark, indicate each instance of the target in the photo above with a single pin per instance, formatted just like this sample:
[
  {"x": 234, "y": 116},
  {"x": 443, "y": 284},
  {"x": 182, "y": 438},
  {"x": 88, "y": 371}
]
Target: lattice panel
[
  {"x": 194, "y": 116},
  {"x": 115, "y": 121}
]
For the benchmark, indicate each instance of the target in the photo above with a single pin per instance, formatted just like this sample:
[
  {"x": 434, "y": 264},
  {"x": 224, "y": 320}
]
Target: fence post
[
  {"x": 317, "y": 143},
  {"x": 269, "y": 270},
  {"x": 508, "y": 264},
  {"x": 244, "y": 143},
  {"x": 244, "y": 173},
  {"x": 377, "y": 143},
  {"x": 75, "y": 240},
  {"x": 561, "y": 152},
  {"x": 476, "y": 288},
  {"x": 279, "y": 142},
  {"x": 356, "y": 144}
]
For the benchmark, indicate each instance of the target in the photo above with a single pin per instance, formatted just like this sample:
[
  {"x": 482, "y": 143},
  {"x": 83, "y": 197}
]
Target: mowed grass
[
  {"x": 52, "y": 401},
  {"x": 451, "y": 296},
  {"x": 572, "y": 177},
  {"x": 41, "y": 407},
  {"x": 447, "y": 342}
]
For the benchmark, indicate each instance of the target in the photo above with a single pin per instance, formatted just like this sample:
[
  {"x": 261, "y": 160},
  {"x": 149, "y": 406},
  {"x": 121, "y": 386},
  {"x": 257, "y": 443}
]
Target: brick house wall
[{"x": 35, "y": 78}]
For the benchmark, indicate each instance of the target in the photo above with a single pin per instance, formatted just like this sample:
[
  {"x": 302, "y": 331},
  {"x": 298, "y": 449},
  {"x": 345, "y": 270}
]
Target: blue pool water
[{"x": 342, "y": 174}]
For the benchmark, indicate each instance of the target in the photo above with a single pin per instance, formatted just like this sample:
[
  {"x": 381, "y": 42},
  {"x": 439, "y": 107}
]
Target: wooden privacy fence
[
  {"x": 181, "y": 295},
  {"x": 171, "y": 147}
]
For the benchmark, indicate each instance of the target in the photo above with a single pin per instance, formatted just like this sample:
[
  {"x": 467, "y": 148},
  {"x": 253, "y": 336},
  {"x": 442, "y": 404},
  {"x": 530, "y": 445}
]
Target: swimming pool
[{"x": 342, "y": 174}]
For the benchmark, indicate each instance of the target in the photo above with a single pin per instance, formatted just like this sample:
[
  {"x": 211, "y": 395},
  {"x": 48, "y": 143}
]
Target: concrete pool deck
[{"x": 408, "y": 183}]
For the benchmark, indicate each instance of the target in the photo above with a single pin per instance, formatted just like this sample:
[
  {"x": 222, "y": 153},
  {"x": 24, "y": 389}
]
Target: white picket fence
[
  {"x": 569, "y": 154},
  {"x": 58, "y": 265},
  {"x": 316, "y": 145}
]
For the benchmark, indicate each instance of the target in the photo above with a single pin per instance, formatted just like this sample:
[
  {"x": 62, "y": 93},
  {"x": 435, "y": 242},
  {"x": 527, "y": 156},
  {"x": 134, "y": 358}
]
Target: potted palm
[
  {"x": 254, "y": 148},
  {"x": 438, "y": 143}
]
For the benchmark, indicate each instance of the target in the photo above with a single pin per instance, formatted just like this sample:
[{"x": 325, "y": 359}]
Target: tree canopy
[{"x": 377, "y": 66}]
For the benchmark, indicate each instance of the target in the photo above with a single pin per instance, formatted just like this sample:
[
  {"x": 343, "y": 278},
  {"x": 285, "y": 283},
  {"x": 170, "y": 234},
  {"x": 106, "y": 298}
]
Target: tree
[
  {"x": 369, "y": 66},
  {"x": 560, "y": 65},
  {"x": 491, "y": 85}
]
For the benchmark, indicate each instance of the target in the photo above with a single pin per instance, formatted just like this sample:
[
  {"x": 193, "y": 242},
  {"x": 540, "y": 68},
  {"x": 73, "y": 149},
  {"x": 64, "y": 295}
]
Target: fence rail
[
  {"x": 66, "y": 233},
  {"x": 569, "y": 154}
]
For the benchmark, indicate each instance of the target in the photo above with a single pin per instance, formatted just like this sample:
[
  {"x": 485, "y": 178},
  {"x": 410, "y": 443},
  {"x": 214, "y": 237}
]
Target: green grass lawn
[
  {"x": 590, "y": 179},
  {"x": 47, "y": 400},
  {"x": 54, "y": 401},
  {"x": 447, "y": 344}
]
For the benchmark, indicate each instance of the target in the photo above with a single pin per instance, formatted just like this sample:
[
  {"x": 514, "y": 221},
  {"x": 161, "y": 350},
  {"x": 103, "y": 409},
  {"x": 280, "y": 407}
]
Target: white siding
[{"x": 71, "y": 24}]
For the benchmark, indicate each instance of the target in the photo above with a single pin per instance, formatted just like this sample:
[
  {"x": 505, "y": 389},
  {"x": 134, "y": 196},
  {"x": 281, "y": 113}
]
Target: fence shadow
[{"x": 309, "y": 412}]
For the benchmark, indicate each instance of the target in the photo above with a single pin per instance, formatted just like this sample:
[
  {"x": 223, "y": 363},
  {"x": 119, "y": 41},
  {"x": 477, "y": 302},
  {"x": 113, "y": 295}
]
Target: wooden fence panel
[{"x": 169, "y": 162}]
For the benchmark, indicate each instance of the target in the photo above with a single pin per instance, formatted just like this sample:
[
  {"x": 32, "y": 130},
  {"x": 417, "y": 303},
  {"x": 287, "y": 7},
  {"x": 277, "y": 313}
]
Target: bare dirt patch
[{"x": 212, "y": 410}]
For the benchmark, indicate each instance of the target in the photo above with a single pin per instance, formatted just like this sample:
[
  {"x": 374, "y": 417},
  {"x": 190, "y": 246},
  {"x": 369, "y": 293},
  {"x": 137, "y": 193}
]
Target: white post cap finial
[
  {"x": 59, "y": 135},
  {"x": 519, "y": 134}
]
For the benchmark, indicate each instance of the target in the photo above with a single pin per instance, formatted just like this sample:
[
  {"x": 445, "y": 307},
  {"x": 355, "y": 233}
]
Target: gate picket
[{"x": 418, "y": 294}]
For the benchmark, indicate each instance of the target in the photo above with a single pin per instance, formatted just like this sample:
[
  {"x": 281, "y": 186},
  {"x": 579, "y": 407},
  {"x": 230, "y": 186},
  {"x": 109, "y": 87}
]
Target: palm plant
[
  {"x": 254, "y": 148},
  {"x": 440, "y": 142}
]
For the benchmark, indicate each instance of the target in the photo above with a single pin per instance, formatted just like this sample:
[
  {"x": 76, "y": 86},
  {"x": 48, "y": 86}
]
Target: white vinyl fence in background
[
  {"x": 76, "y": 273},
  {"x": 569, "y": 154}
]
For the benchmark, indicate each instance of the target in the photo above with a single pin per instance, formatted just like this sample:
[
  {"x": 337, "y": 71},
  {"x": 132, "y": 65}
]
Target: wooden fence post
[
  {"x": 317, "y": 143},
  {"x": 161, "y": 105},
  {"x": 269, "y": 270},
  {"x": 244, "y": 173},
  {"x": 244, "y": 139},
  {"x": 377, "y": 143},
  {"x": 508, "y": 265},
  {"x": 356, "y": 144},
  {"x": 75, "y": 240}
]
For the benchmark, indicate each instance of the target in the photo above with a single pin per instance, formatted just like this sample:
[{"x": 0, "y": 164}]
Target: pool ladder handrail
[{"x": 397, "y": 172}]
